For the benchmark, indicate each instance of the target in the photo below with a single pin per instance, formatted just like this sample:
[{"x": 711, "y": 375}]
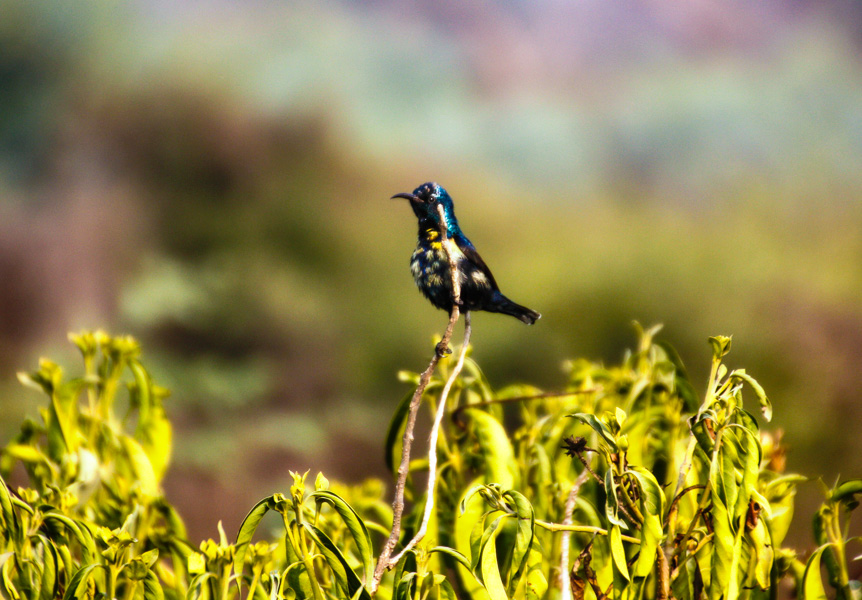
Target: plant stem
[
  {"x": 297, "y": 540},
  {"x": 383, "y": 562},
  {"x": 112, "y": 581},
  {"x": 224, "y": 583},
  {"x": 582, "y": 529},
  {"x": 254, "y": 581},
  {"x": 639, "y": 518},
  {"x": 432, "y": 444}
]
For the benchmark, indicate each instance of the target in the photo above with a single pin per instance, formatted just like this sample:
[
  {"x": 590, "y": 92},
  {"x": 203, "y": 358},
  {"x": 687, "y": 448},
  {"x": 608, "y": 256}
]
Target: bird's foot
[{"x": 443, "y": 350}]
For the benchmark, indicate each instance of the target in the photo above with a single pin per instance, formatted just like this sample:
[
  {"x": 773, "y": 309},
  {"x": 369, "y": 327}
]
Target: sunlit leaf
[
  {"x": 611, "y": 501},
  {"x": 498, "y": 456},
  {"x": 77, "y": 587},
  {"x": 600, "y": 428},
  {"x": 48, "y": 580},
  {"x": 80, "y": 533},
  {"x": 346, "y": 579},
  {"x": 490, "y": 570},
  {"x": 812, "y": 584},
  {"x": 765, "y": 404},
  {"x": 153, "y": 431},
  {"x": 355, "y": 525},
  {"x": 762, "y": 553},
  {"x": 452, "y": 553},
  {"x": 470, "y": 517},
  {"x": 524, "y": 537},
  {"x": 722, "y": 574},
  {"x": 152, "y": 587},
  {"x": 846, "y": 493},
  {"x": 618, "y": 553},
  {"x": 249, "y": 525}
]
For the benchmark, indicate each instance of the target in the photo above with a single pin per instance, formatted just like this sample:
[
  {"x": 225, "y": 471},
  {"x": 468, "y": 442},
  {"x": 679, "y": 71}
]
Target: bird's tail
[{"x": 507, "y": 307}]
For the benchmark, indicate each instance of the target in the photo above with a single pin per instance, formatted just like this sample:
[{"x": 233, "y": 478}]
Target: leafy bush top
[{"x": 623, "y": 485}]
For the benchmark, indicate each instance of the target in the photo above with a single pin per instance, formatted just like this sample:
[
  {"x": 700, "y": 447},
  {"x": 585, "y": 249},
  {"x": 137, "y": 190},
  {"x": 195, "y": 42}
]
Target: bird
[{"x": 430, "y": 265}]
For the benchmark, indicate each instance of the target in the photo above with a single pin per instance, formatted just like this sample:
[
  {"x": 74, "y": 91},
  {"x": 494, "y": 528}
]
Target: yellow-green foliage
[{"x": 623, "y": 485}]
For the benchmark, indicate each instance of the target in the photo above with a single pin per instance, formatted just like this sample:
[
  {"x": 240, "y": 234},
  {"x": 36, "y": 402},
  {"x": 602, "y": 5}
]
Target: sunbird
[{"x": 430, "y": 266}]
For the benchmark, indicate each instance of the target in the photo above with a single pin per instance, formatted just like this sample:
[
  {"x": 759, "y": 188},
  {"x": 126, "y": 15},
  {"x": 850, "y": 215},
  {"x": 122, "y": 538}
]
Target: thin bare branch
[
  {"x": 384, "y": 561},
  {"x": 432, "y": 444}
]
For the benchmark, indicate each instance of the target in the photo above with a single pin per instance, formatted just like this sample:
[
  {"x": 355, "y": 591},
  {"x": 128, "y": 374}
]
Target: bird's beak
[{"x": 410, "y": 197}]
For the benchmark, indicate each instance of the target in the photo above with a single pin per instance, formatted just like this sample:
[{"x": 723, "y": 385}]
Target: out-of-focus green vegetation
[{"x": 216, "y": 178}]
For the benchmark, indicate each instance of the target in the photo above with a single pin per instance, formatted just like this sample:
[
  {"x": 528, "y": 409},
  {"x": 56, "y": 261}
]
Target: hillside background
[{"x": 213, "y": 178}]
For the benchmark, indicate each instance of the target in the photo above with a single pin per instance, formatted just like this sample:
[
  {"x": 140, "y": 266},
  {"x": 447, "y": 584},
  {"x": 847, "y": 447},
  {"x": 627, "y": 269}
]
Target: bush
[{"x": 624, "y": 485}]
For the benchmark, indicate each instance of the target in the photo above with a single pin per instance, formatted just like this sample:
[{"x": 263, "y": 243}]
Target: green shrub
[{"x": 624, "y": 485}]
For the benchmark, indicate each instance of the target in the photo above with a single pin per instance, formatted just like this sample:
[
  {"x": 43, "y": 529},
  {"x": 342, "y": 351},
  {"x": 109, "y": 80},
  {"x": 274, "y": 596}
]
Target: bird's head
[{"x": 425, "y": 201}]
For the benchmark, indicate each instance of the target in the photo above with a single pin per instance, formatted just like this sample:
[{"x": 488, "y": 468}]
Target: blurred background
[{"x": 214, "y": 179}]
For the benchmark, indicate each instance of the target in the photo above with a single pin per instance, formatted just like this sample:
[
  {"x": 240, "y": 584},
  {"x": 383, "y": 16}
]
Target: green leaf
[
  {"x": 77, "y": 587},
  {"x": 152, "y": 587},
  {"x": 344, "y": 575},
  {"x": 684, "y": 586},
  {"x": 720, "y": 346},
  {"x": 407, "y": 564},
  {"x": 846, "y": 493},
  {"x": 468, "y": 495},
  {"x": 446, "y": 590},
  {"x": 10, "y": 522},
  {"x": 765, "y": 404},
  {"x": 5, "y": 578},
  {"x": 490, "y": 570},
  {"x": 153, "y": 430},
  {"x": 812, "y": 584},
  {"x": 452, "y": 553},
  {"x": 751, "y": 453},
  {"x": 498, "y": 456},
  {"x": 355, "y": 525},
  {"x": 80, "y": 533},
  {"x": 196, "y": 585},
  {"x": 600, "y": 428},
  {"x": 48, "y": 581},
  {"x": 479, "y": 538},
  {"x": 723, "y": 474},
  {"x": 249, "y": 526},
  {"x": 524, "y": 536},
  {"x": 618, "y": 553},
  {"x": 63, "y": 424},
  {"x": 682, "y": 384},
  {"x": 536, "y": 584},
  {"x": 611, "y": 501},
  {"x": 762, "y": 553},
  {"x": 404, "y": 587},
  {"x": 722, "y": 554},
  {"x": 142, "y": 468},
  {"x": 701, "y": 432},
  {"x": 651, "y": 535},
  {"x": 470, "y": 517},
  {"x": 29, "y": 455},
  {"x": 651, "y": 492}
]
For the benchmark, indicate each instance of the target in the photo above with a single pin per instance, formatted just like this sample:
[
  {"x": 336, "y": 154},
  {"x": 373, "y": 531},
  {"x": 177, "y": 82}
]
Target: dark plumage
[{"x": 430, "y": 266}]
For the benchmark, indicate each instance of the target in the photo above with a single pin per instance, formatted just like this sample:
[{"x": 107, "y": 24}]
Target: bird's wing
[{"x": 469, "y": 250}]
